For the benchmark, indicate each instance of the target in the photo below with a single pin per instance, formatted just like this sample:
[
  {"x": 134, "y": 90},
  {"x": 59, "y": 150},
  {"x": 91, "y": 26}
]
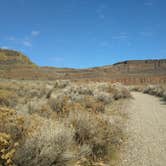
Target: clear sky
[{"x": 84, "y": 33}]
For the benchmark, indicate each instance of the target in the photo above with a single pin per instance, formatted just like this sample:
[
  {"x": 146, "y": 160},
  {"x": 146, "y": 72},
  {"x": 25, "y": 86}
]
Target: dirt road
[{"x": 146, "y": 129}]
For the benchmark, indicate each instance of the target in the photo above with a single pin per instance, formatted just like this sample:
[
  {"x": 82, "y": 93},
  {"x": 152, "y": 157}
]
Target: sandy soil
[{"x": 146, "y": 130}]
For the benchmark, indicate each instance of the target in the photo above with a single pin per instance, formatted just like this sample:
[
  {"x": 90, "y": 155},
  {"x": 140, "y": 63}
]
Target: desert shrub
[
  {"x": 104, "y": 97},
  {"x": 7, "y": 98},
  {"x": 104, "y": 87},
  {"x": 125, "y": 92},
  {"x": 60, "y": 84},
  {"x": 11, "y": 131},
  {"x": 108, "y": 92},
  {"x": 59, "y": 103},
  {"x": 48, "y": 90},
  {"x": 76, "y": 97},
  {"x": 9, "y": 85},
  {"x": 91, "y": 104},
  {"x": 46, "y": 112},
  {"x": 64, "y": 104},
  {"x": 147, "y": 89},
  {"x": 35, "y": 93},
  {"x": 91, "y": 130},
  {"x": 116, "y": 94},
  {"x": 48, "y": 145},
  {"x": 7, "y": 149},
  {"x": 36, "y": 104},
  {"x": 41, "y": 108},
  {"x": 84, "y": 90},
  {"x": 79, "y": 90},
  {"x": 119, "y": 91},
  {"x": 158, "y": 91},
  {"x": 58, "y": 122},
  {"x": 154, "y": 90},
  {"x": 11, "y": 123},
  {"x": 92, "y": 96},
  {"x": 135, "y": 88}
]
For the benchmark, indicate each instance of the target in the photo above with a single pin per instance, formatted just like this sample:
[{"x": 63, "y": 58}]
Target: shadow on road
[{"x": 163, "y": 102}]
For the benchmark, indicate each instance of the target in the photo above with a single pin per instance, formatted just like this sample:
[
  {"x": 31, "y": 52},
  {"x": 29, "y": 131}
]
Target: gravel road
[{"x": 146, "y": 130}]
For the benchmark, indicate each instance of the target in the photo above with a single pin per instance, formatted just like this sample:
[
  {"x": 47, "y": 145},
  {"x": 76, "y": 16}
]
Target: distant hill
[
  {"x": 15, "y": 65},
  {"x": 10, "y": 57}
]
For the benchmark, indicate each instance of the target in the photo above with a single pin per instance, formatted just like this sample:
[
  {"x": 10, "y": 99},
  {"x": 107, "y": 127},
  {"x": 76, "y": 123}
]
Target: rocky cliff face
[{"x": 141, "y": 66}]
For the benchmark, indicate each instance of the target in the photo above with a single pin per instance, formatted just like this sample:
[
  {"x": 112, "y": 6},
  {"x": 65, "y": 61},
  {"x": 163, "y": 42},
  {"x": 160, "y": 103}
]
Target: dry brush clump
[
  {"x": 92, "y": 130},
  {"x": 7, "y": 149},
  {"x": 93, "y": 96},
  {"x": 50, "y": 144},
  {"x": 60, "y": 122},
  {"x": 156, "y": 90},
  {"x": 11, "y": 123},
  {"x": 7, "y": 98},
  {"x": 11, "y": 131},
  {"x": 136, "y": 88}
]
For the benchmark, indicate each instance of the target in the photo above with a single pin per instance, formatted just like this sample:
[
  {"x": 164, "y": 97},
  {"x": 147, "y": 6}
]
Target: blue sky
[{"x": 84, "y": 33}]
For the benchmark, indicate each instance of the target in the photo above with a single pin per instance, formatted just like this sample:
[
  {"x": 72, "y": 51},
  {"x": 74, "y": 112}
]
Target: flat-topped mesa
[
  {"x": 141, "y": 65},
  {"x": 11, "y": 57},
  {"x": 147, "y": 61}
]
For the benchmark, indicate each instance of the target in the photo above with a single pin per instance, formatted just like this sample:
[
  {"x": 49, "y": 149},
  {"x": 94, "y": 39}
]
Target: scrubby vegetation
[
  {"x": 156, "y": 90},
  {"x": 59, "y": 123}
]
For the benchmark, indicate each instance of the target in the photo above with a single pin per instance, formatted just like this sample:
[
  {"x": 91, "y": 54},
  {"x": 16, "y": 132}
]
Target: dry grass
[{"x": 60, "y": 122}]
